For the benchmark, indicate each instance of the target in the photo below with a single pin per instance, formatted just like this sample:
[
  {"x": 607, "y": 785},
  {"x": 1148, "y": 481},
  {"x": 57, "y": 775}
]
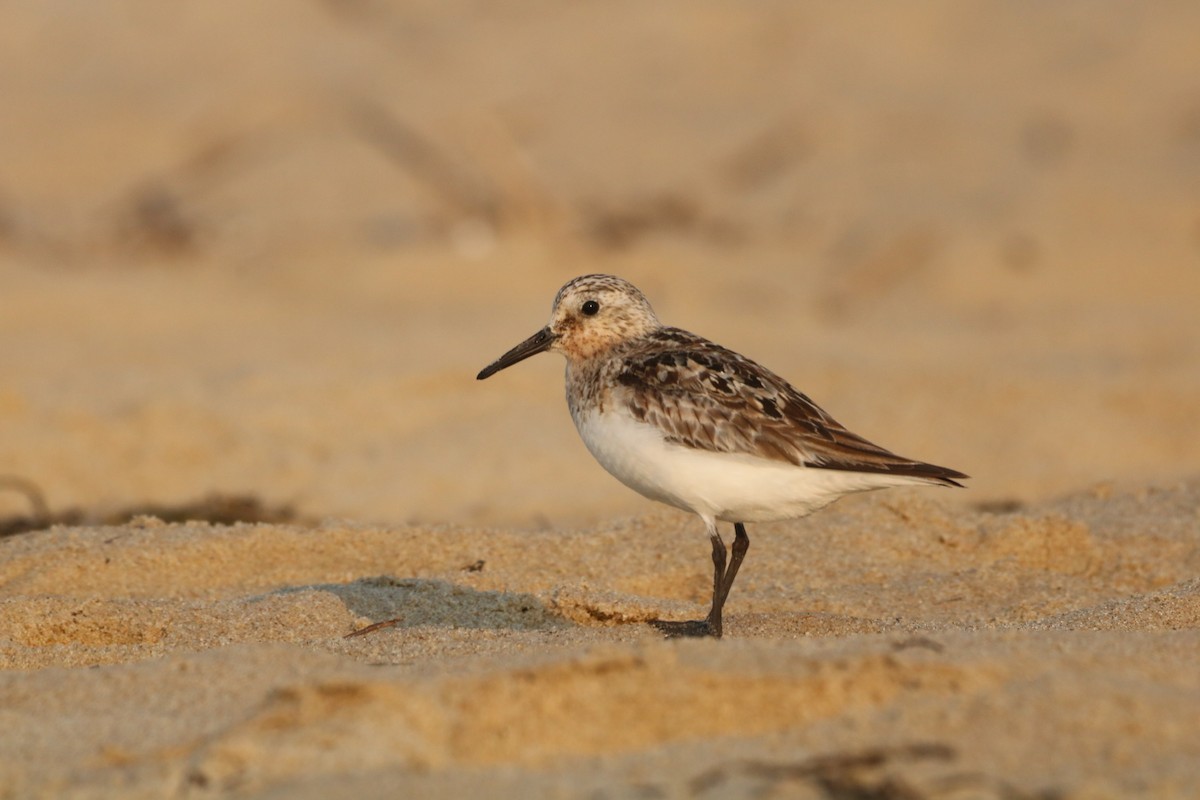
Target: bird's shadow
[{"x": 433, "y": 602}]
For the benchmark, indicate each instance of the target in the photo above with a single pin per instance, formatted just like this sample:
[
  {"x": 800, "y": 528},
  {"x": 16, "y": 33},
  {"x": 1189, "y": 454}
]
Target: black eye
[{"x": 590, "y": 308}]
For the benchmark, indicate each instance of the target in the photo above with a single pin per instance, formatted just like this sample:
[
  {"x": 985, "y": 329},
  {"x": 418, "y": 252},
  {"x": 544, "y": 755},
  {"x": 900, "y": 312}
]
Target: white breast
[{"x": 725, "y": 486}]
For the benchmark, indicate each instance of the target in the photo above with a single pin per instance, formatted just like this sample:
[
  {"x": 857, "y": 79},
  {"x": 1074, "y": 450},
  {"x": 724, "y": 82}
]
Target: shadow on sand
[{"x": 433, "y": 602}]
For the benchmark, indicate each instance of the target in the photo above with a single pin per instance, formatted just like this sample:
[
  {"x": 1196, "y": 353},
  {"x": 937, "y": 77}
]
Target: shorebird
[{"x": 694, "y": 425}]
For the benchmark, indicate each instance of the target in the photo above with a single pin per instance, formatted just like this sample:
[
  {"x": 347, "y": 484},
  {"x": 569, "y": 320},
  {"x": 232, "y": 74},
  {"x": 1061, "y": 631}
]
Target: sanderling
[{"x": 686, "y": 422}]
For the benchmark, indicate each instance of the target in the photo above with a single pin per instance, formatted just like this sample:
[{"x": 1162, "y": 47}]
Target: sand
[{"x": 263, "y": 250}]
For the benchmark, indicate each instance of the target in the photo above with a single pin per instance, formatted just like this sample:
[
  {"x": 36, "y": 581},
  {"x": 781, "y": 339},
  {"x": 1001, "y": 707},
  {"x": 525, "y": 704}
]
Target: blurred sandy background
[{"x": 262, "y": 249}]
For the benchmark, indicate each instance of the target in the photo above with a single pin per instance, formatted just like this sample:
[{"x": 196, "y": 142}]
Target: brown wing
[{"x": 704, "y": 396}]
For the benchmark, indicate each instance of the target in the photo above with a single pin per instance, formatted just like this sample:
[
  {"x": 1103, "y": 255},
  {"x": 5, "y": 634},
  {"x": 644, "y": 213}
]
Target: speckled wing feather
[{"x": 704, "y": 396}]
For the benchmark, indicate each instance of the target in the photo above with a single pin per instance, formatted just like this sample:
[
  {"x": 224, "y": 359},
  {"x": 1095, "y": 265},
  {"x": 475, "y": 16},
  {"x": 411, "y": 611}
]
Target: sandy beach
[{"x": 251, "y": 259}]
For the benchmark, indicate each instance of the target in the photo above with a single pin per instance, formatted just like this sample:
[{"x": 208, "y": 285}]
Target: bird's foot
[{"x": 691, "y": 629}]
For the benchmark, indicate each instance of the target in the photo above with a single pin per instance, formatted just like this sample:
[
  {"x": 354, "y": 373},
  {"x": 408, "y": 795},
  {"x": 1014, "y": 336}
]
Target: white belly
[{"x": 725, "y": 486}]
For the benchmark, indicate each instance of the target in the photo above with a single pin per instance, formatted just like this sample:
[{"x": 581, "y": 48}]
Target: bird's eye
[{"x": 590, "y": 308}]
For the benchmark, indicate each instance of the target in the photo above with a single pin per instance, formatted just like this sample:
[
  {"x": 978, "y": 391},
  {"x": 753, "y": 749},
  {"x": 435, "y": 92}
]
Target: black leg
[
  {"x": 723, "y": 576},
  {"x": 741, "y": 543},
  {"x": 718, "y": 558},
  {"x": 713, "y": 622}
]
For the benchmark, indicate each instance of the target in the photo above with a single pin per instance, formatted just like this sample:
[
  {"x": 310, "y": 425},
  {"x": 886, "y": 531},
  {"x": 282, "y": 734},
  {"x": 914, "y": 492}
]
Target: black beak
[{"x": 538, "y": 343}]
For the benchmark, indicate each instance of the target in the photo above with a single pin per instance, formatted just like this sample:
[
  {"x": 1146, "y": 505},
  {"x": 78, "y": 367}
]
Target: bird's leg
[
  {"x": 718, "y": 599},
  {"x": 723, "y": 576},
  {"x": 741, "y": 543}
]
